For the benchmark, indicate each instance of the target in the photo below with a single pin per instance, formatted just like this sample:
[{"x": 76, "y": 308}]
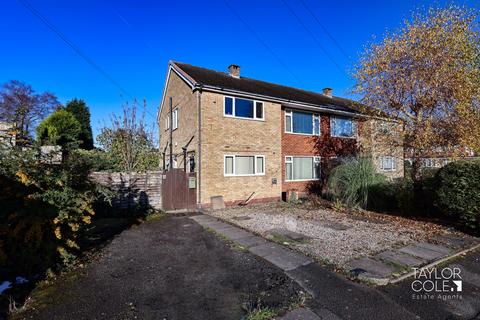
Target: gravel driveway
[{"x": 336, "y": 237}]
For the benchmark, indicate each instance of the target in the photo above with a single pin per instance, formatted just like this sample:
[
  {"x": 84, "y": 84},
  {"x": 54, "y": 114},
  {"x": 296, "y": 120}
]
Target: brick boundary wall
[{"x": 132, "y": 188}]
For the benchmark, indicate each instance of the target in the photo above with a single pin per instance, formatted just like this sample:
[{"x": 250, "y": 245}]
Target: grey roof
[{"x": 203, "y": 76}]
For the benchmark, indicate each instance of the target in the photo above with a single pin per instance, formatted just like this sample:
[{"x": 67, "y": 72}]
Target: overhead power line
[
  {"x": 77, "y": 50},
  {"x": 337, "y": 44},
  {"x": 259, "y": 39},
  {"x": 312, "y": 35}
]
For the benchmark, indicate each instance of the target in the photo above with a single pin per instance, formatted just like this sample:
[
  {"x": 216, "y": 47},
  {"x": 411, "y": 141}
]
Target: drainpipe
[
  {"x": 199, "y": 178},
  {"x": 170, "y": 166}
]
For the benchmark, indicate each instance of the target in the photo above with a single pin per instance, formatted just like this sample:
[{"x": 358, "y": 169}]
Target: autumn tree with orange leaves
[{"x": 427, "y": 74}]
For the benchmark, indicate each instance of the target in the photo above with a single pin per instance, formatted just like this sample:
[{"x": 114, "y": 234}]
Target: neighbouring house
[
  {"x": 441, "y": 156},
  {"x": 250, "y": 139},
  {"x": 7, "y": 134}
]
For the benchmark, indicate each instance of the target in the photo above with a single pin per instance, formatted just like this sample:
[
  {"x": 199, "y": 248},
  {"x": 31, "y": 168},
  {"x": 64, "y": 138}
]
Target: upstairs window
[
  {"x": 302, "y": 122},
  {"x": 342, "y": 127},
  {"x": 175, "y": 119},
  {"x": 236, "y": 165},
  {"x": 387, "y": 163},
  {"x": 243, "y": 108}
]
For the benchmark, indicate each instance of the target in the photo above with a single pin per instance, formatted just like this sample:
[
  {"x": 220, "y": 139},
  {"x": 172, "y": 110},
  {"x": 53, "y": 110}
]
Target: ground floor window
[
  {"x": 302, "y": 168},
  {"x": 240, "y": 165},
  {"x": 387, "y": 163}
]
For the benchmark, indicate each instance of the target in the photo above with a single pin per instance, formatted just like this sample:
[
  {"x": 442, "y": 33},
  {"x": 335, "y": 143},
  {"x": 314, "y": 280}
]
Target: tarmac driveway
[{"x": 167, "y": 269}]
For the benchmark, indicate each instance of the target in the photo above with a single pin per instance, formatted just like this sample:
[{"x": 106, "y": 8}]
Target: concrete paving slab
[
  {"x": 421, "y": 252},
  {"x": 287, "y": 260},
  {"x": 456, "y": 242},
  {"x": 202, "y": 218},
  {"x": 301, "y": 314},
  {"x": 233, "y": 233},
  {"x": 400, "y": 258},
  {"x": 266, "y": 249},
  {"x": 295, "y": 236},
  {"x": 435, "y": 247},
  {"x": 250, "y": 241},
  {"x": 371, "y": 267}
]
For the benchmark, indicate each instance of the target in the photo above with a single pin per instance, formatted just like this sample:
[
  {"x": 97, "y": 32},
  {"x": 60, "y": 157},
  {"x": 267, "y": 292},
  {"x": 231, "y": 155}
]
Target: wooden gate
[{"x": 179, "y": 190}]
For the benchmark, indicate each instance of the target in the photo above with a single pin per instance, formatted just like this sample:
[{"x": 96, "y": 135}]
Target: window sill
[
  {"x": 243, "y": 118},
  {"x": 244, "y": 175},
  {"x": 304, "y": 134},
  {"x": 302, "y": 180},
  {"x": 342, "y": 137}
]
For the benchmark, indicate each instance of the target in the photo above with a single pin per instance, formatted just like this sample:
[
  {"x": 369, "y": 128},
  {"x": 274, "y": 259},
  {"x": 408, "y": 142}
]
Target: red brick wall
[{"x": 323, "y": 146}]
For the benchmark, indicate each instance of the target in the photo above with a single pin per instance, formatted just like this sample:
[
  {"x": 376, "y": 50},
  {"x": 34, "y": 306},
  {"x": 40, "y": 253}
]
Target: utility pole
[{"x": 170, "y": 166}]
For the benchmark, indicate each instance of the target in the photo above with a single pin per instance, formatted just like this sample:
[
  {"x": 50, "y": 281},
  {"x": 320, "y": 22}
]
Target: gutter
[
  {"x": 199, "y": 178},
  {"x": 287, "y": 102}
]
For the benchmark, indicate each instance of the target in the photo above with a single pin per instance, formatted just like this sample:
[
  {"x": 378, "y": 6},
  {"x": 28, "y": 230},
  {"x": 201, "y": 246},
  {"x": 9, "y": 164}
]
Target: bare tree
[
  {"x": 129, "y": 140},
  {"x": 21, "y": 106}
]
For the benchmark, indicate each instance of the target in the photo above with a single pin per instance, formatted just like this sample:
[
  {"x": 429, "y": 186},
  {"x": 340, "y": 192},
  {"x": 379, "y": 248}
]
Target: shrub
[
  {"x": 99, "y": 160},
  {"x": 350, "y": 182},
  {"x": 383, "y": 196},
  {"x": 46, "y": 208},
  {"x": 60, "y": 128},
  {"x": 396, "y": 196},
  {"x": 27, "y": 240},
  {"x": 458, "y": 192}
]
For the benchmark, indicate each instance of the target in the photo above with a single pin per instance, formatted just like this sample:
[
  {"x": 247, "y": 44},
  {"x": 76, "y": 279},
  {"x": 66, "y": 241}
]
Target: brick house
[
  {"x": 441, "y": 156},
  {"x": 249, "y": 139}
]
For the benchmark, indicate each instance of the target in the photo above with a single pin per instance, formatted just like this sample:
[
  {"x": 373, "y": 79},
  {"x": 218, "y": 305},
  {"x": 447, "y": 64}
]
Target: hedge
[{"x": 458, "y": 192}]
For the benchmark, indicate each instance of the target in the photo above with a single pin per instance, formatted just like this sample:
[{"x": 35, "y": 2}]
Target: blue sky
[{"x": 134, "y": 40}]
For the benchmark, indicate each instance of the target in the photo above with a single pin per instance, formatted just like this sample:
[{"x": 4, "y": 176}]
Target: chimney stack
[
  {"x": 234, "y": 70},
  {"x": 327, "y": 92}
]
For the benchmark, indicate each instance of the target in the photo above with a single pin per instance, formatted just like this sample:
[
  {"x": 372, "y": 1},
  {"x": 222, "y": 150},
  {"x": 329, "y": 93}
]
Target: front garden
[{"x": 364, "y": 219}]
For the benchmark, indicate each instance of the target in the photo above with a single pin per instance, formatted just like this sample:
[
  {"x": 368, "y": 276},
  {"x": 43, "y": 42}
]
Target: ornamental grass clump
[{"x": 351, "y": 181}]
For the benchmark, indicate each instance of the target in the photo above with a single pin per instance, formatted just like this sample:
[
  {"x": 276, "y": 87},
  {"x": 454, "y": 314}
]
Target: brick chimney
[
  {"x": 327, "y": 92},
  {"x": 234, "y": 70}
]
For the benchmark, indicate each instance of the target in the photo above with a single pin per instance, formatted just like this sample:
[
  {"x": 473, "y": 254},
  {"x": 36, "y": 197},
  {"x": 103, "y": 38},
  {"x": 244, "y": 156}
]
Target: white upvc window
[
  {"x": 302, "y": 168},
  {"x": 342, "y": 127},
  {"x": 243, "y": 108},
  {"x": 175, "y": 119},
  {"x": 387, "y": 163},
  {"x": 167, "y": 122},
  {"x": 299, "y": 122},
  {"x": 244, "y": 165},
  {"x": 429, "y": 163}
]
